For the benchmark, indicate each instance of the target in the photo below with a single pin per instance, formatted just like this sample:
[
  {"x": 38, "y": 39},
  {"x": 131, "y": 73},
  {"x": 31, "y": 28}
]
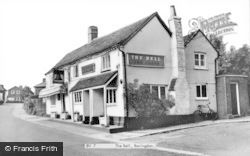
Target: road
[
  {"x": 225, "y": 139},
  {"x": 13, "y": 129}
]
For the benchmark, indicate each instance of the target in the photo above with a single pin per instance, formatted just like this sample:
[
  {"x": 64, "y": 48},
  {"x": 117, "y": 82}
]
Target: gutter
[{"x": 125, "y": 79}]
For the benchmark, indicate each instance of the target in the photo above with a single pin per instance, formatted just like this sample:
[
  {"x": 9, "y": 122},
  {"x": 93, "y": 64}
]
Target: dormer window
[
  {"x": 106, "y": 62},
  {"x": 200, "y": 60}
]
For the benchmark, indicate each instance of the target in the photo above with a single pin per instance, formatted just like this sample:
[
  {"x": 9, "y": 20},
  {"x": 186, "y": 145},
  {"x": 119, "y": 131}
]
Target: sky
[{"x": 36, "y": 34}]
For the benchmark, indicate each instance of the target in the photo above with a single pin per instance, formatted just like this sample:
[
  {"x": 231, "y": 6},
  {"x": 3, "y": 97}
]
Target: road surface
[
  {"x": 13, "y": 129},
  {"x": 225, "y": 139}
]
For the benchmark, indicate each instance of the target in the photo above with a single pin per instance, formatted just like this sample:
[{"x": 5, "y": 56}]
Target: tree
[
  {"x": 240, "y": 61},
  {"x": 26, "y": 92},
  {"x": 220, "y": 46}
]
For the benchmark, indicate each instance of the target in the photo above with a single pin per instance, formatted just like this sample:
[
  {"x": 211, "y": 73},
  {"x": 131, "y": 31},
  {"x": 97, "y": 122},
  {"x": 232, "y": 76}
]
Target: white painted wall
[
  {"x": 194, "y": 76},
  {"x": 153, "y": 39},
  {"x": 116, "y": 65},
  {"x": 1, "y": 96},
  {"x": 57, "y": 107}
]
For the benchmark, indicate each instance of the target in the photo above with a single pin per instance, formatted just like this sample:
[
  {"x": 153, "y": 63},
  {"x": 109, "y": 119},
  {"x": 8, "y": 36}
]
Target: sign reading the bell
[
  {"x": 58, "y": 76},
  {"x": 146, "y": 60},
  {"x": 88, "y": 69}
]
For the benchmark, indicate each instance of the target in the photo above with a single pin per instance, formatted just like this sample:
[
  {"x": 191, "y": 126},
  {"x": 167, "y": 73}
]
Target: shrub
[{"x": 145, "y": 103}]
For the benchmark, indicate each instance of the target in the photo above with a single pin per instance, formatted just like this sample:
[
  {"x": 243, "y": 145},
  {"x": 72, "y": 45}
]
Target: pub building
[{"x": 90, "y": 82}]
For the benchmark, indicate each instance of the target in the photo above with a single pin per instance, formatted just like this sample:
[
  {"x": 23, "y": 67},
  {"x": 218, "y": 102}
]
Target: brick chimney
[
  {"x": 181, "y": 88},
  {"x": 178, "y": 54},
  {"x": 92, "y": 33}
]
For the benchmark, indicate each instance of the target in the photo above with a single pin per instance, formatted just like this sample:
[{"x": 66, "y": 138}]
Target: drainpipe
[
  {"x": 216, "y": 73},
  {"x": 125, "y": 79}
]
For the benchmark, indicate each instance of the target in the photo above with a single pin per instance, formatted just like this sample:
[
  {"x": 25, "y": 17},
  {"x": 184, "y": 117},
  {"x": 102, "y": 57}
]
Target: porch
[{"x": 91, "y": 97}]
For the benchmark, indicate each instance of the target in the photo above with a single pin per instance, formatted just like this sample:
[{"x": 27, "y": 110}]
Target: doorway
[{"x": 235, "y": 98}]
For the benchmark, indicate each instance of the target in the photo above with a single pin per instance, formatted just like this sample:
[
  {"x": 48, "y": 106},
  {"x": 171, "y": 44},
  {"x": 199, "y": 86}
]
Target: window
[
  {"x": 199, "y": 60},
  {"x": 111, "y": 96},
  {"x": 18, "y": 92},
  {"x": 106, "y": 62},
  {"x": 58, "y": 97},
  {"x": 201, "y": 91},
  {"x": 12, "y": 91},
  {"x": 78, "y": 96},
  {"x": 159, "y": 91},
  {"x": 76, "y": 71}
]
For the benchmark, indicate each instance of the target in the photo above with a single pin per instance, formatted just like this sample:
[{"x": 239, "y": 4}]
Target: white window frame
[
  {"x": 159, "y": 90},
  {"x": 201, "y": 93},
  {"x": 111, "y": 96},
  {"x": 199, "y": 66},
  {"x": 105, "y": 62},
  {"x": 78, "y": 97}
]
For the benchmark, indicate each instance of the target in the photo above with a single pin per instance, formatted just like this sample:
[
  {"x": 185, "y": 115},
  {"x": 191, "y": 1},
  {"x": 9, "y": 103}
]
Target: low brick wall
[{"x": 133, "y": 123}]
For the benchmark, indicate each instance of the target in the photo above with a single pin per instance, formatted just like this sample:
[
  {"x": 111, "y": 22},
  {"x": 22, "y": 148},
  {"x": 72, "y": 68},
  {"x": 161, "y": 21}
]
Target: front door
[{"x": 235, "y": 98}]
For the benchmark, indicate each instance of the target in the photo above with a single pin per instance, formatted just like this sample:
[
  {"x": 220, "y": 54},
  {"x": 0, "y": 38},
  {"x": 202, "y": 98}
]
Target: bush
[{"x": 145, "y": 103}]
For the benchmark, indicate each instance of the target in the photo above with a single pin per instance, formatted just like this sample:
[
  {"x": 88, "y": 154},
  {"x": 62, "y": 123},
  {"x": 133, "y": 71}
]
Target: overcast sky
[{"x": 36, "y": 34}]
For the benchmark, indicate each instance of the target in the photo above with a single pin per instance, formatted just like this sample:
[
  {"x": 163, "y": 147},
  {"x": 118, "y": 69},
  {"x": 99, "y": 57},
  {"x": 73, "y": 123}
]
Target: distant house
[
  {"x": 15, "y": 94},
  {"x": 2, "y": 94},
  {"x": 40, "y": 86}
]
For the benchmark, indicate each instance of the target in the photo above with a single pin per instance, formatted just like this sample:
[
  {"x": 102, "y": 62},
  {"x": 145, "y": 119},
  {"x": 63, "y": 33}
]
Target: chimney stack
[
  {"x": 92, "y": 33},
  {"x": 172, "y": 11},
  {"x": 178, "y": 54},
  {"x": 181, "y": 88}
]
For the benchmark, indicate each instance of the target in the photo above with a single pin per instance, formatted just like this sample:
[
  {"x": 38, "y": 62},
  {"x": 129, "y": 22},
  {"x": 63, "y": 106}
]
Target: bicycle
[{"x": 205, "y": 112}]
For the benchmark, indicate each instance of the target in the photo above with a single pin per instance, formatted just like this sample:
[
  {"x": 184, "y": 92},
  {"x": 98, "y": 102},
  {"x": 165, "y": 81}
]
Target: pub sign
[
  {"x": 146, "y": 60},
  {"x": 58, "y": 76}
]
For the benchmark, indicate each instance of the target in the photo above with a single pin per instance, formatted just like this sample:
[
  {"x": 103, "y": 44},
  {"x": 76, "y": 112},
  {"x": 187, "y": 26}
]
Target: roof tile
[{"x": 93, "y": 81}]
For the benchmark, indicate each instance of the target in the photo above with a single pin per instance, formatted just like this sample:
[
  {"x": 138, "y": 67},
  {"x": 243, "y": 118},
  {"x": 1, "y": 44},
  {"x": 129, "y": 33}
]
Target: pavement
[
  {"x": 20, "y": 113},
  {"x": 160, "y": 139}
]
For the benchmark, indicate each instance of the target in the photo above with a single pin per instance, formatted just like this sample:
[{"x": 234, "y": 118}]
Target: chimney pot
[
  {"x": 172, "y": 11},
  {"x": 92, "y": 33}
]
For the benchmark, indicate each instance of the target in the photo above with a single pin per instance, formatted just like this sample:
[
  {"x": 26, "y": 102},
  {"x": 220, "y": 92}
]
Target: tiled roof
[
  {"x": 2, "y": 88},
  {"x": 189, "y": 37},
  {"x": 40, "y": 85},
  {"x": 119, "y": 37},
  {"x": 93, "y": 81}
]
